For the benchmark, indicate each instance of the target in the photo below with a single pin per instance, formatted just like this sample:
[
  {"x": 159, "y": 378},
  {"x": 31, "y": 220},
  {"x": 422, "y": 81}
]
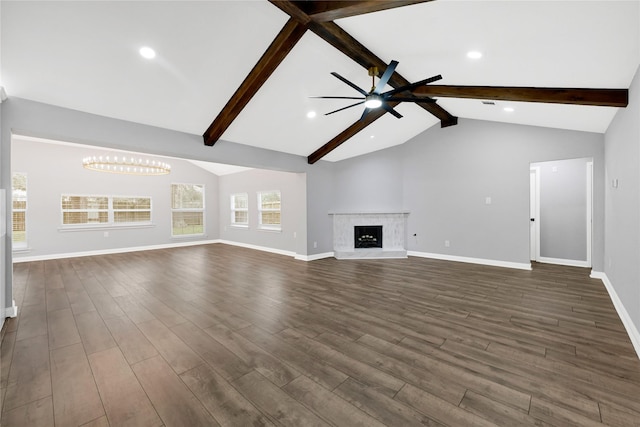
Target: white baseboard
[
  {"x": 560, "y": 261},
  {"x": 314, "y": 257},
  {"x": 112, "y": 251},
  {"x": 168, "y": 246},
  {"x": 632, "y": 329},
  {"x": 258, "y": 248},
  {"x": 491, "y": 262},
  {"x": 11, "y": 311}
]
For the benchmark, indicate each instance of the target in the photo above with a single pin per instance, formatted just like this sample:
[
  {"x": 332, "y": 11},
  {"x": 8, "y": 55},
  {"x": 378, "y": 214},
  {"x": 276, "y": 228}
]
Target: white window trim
[
  {"x": 268, "y": 227},
  {"x": 110, "y": 224},
  {"x": 234, "y": 210},
  {"x": 202, "y": 210}
]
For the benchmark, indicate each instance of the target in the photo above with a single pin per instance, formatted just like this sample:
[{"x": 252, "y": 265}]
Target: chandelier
[{"x": 126, "y": 165}]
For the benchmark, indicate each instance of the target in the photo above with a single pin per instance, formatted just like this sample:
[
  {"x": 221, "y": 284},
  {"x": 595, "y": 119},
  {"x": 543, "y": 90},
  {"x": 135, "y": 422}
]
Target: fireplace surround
[{"x": 390, "y": 244}]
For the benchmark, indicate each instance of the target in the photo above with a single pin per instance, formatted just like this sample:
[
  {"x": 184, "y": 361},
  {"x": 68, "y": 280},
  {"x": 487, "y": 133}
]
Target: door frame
[
  {"x": 534, "y": 209},
  {"x": 589, "y": 219}
]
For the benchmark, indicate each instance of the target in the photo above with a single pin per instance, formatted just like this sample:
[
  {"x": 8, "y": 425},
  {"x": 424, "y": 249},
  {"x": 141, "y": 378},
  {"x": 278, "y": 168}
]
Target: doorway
[{"x": 560, "y": 212}]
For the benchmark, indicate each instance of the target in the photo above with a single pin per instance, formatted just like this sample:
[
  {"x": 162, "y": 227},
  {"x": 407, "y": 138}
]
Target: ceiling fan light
[{"x": 373, "y": 101}]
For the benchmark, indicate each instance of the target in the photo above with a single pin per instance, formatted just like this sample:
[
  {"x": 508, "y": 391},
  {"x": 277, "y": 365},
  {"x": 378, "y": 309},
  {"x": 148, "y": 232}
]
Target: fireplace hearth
[{"x": 367, "y": 236}]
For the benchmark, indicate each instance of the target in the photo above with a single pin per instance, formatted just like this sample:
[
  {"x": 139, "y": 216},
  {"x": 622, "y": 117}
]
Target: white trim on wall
[
  {"x": 632, "y": 331},
  {"x": 113, "y": 251},
  {"x": 172, "y": 245},
  {"x": 490, "y": 262},
  {"x": 315, "y": 256},
  {"x": 258, "y": 248},
  {"x": 12, "y": 311},
  {"x": 562, "y": 261}
]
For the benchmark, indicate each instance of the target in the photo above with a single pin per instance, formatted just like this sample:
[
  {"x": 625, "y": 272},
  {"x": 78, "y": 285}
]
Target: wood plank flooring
[{"x": 219, "y": 335}]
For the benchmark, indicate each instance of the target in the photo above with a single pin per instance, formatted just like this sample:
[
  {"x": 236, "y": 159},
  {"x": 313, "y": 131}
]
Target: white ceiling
[{"x": 83, "y": 55}]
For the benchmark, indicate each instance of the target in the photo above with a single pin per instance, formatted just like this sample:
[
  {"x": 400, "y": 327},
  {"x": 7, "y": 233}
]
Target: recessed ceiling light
[
  {"x": 147, "y": 52},
  {"x": 372, "y": 136},
  {"x": 508, "y": 109},
  {"x": 474, "y": 54},
  {"x": 311, "y": 114}
]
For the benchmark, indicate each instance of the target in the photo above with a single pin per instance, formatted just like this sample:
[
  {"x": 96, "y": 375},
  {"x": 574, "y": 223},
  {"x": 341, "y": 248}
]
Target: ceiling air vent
[{"x": 488, "y": 103}]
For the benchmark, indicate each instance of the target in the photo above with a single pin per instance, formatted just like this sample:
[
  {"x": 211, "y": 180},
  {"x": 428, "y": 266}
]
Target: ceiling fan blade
[
  {"x": 390, "y": 109},
  {"x": 344, "y": 108},
  {"x": 413, "y": 85},
  {"x": 338, "y": 76},
  {"x": 410, "y": 99},
  {"x": 386, "y": 76},
  {"x": 364, "y": 114},
  {"x": 336, "y": 97}
]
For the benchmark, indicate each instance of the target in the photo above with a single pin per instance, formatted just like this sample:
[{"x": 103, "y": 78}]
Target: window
[
  {"x": 131, "y": 209},
  {"x": 269, "y": 209},
  {"x": 19, "y": 203},
  {"x": 105, "y": 210},
  {"x": 240, "y": 209},
  {"x": 187, "y": 209}
]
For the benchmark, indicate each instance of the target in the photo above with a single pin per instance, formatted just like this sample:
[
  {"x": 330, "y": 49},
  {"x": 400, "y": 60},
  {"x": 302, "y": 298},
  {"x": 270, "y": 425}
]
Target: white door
[{"x": 533, "y": 214}]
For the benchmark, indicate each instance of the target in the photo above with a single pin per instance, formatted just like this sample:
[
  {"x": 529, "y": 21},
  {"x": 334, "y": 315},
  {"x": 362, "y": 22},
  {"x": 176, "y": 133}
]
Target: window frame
[
  {"x": 235, "y": 209},
  {"x": 201, "y": 210},
  {"x": 113, "y": 210},
  {"x": 261, "y": 210},
  {"x": 110, "y": 210},
  {"x": 23, "y": 244}
]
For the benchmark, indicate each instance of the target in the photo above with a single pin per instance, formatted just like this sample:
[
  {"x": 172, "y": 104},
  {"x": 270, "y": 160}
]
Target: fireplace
[
  {"x": 347, "y": 227},
  {"x": 367, "y": 236}
]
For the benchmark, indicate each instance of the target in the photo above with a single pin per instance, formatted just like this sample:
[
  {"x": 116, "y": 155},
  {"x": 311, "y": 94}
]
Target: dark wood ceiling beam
[
  {"x": 576, "y": 96},
  {"x": 346, "y": 134},
  {"x": 286, "y": 39},
  {"x": 325, "y": 11}
]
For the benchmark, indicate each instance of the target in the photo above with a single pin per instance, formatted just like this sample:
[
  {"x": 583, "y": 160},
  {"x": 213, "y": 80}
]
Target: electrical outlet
[
  {"x": 106, "y": 234},
  {"x": 447, "y": 243},
  {"x": 295, "y": 234},
  {"x": 315, "y": 244}
]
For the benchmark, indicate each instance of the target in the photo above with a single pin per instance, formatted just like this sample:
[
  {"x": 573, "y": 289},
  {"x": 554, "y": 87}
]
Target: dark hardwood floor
[{"x": 219, "y": 335}]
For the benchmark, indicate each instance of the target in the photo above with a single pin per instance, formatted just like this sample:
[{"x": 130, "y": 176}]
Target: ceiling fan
[{"x": 375, "y": 99}]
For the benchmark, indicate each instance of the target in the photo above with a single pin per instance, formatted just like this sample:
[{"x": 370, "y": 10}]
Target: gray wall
[
  {"x": 53, "y": 170},
  {"x": 563, "y": 209},
  {"x": 622, "y": 211},
  {"x": 293, "y": 234},
  {"x": 445, "y": 175},
  {"x": 372, "y": 182}
]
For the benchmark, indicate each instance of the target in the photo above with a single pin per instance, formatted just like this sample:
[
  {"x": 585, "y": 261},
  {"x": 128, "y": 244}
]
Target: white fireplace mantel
[{"x": 394, "y": 234}]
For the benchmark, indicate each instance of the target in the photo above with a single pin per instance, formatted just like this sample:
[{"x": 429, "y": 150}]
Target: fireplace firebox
[{"x": 367, "y": 236}]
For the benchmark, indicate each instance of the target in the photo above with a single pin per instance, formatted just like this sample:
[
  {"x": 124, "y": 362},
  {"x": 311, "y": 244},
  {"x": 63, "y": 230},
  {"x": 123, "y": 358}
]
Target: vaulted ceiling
[{"x": 245, "y": 71}]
